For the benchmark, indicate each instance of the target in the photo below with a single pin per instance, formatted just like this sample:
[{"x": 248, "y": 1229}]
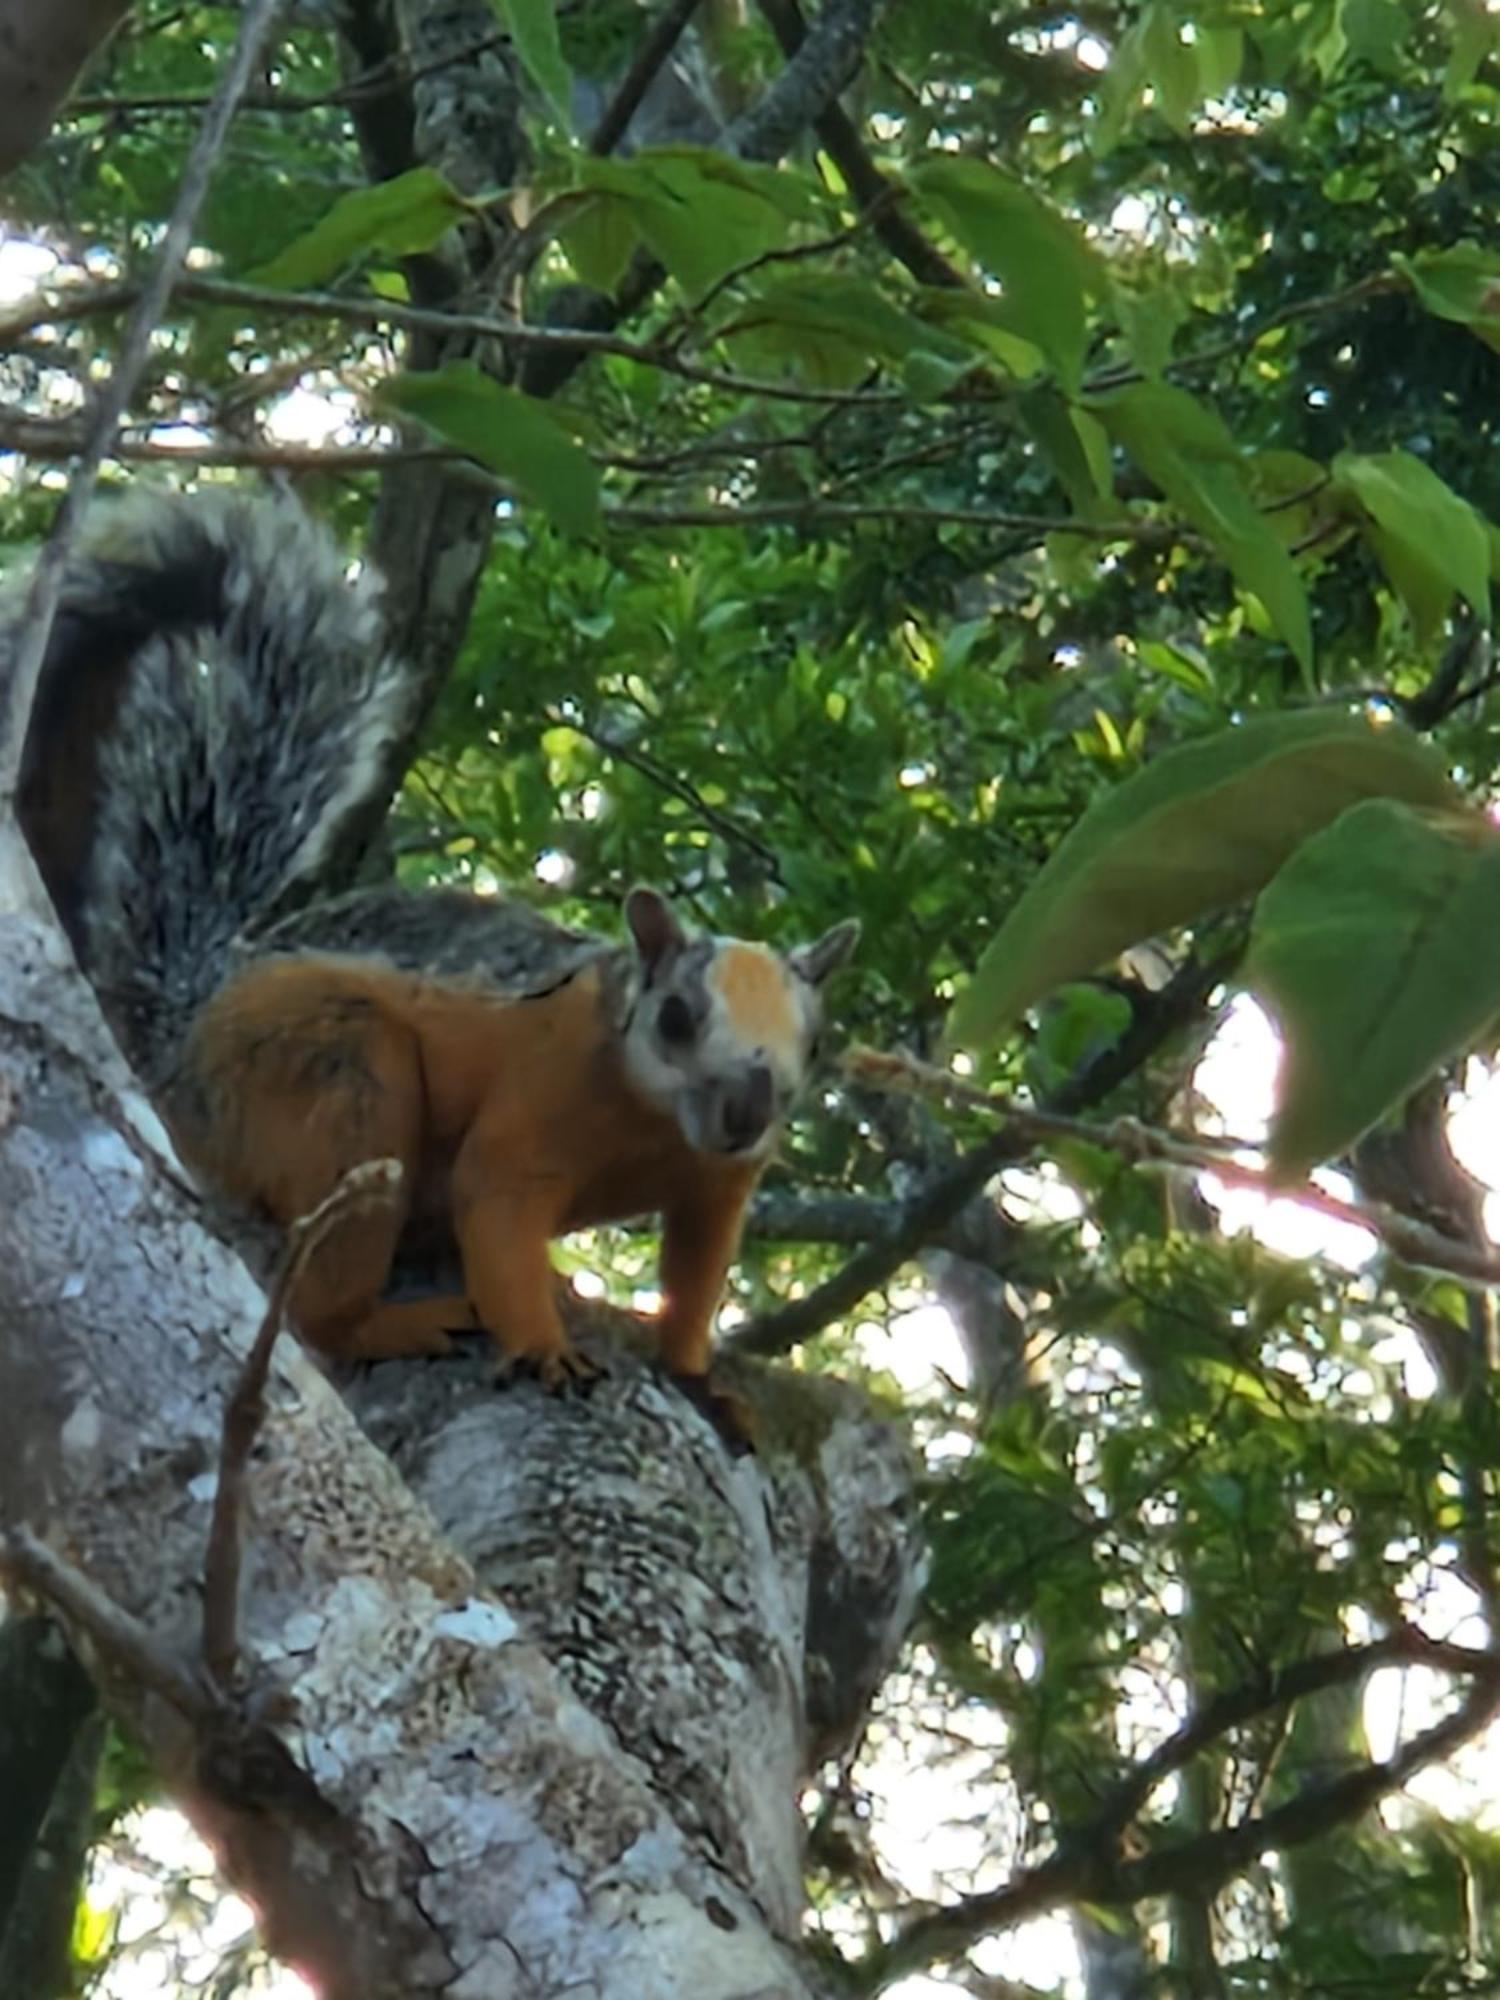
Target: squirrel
[{"x": 215, "y": 715}]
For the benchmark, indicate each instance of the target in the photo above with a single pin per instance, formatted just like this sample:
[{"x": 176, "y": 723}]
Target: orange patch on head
[{"x": 752, "y": 982}]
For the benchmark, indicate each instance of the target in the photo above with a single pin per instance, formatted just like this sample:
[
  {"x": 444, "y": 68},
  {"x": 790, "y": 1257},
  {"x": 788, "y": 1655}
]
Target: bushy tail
[{"x": 215, "y": 708}]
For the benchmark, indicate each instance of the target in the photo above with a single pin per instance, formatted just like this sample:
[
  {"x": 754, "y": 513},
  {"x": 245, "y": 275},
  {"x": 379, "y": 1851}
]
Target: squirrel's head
[{"x": 722, "y": 1033}]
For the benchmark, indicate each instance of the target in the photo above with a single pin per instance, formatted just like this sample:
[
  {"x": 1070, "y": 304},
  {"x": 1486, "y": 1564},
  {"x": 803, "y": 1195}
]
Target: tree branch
[
  {"x": 46, "y": 580},
  {"x": 949, "y": 1193},
  {"x": 376, "y": 1181},
  {"x": 653, "y": 52},
  {"x": 879, "y": 197},
  {"x": 1087, "y": 1866}
]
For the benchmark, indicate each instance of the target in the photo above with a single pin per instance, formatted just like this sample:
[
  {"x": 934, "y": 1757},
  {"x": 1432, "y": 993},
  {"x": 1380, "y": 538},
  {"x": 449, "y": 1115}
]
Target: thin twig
[
  {"x": 40, "y": 437},
  {"x": 47, "y": 577},
  {"x": 1088, "y": 1865},
  {"x": 371, "y": 82},
  {"x": 116, "y": 1635},
  {"x": 82, "y": 302},
  {"x": 949, "y": 1192},
  {"x": 1407, "y": 1239},
  {"x": 375, "y": 1181}
]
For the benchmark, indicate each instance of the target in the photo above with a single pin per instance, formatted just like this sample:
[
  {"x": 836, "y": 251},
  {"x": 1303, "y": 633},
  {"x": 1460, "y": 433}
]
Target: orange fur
[
  {"x": 514, "y": 1117},
  {"x": 753, "y": 986}
]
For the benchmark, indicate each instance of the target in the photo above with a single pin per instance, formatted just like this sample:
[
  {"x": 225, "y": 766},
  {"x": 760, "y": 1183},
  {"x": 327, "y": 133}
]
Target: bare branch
[
  {"x": 376, "y": 1181},
  {"x": 374, "y": 81},
  {"x": 1412, "y": 1241},
  {"x": 878, "y": 197},
  {"x": 1088, "y": 1867},
  {"x": 46, "y": 581},
  {"x": 114, "y": 1634},
  {"x": 380, "y": 313},
  {"x": 653, "y": 52},
  {"x": 949, "y": 1192}
]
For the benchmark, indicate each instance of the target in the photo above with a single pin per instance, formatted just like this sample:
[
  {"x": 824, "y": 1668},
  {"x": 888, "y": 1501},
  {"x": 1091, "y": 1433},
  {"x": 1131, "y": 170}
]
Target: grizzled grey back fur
[{"x": 257, "y": 711}]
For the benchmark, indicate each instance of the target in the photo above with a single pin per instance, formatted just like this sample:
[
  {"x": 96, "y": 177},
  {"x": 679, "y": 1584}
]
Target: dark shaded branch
[
  {"x": 45, "y": 1700},
  {"x": 862, "y": 177},
  {"x": 934, "y": 1206},
  {"x": 42, "y": 49},
  {"x": 638, "y": 79},
  {"x": 1088, "y": 1868},
  {"x": 36, "y": 1942}
]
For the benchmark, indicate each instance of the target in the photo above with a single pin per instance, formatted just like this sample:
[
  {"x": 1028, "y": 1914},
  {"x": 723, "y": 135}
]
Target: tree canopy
[{"x": 1021, "y": 476}]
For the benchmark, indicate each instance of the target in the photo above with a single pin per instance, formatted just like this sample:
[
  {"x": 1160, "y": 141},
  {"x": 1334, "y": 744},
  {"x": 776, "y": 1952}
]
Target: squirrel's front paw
[
  {"x": 730, "y": 1415},
  {"x": 558, "y": 1369}
]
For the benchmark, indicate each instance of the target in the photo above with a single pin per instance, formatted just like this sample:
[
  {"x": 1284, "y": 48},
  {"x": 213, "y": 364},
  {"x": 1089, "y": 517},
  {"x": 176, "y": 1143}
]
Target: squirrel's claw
[{"x": 560, "y": 1371}]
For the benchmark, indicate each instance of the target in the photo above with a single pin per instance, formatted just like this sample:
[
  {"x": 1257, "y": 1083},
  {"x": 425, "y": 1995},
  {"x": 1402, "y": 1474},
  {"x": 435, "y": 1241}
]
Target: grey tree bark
[{"x": 530, "y": 1720}]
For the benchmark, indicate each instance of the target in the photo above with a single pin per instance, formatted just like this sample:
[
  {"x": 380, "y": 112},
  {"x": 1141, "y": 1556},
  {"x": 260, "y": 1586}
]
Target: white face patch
[{"x": 719, "y": 1039}]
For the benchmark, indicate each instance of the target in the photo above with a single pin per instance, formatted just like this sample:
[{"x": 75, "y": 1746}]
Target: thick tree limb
[{"x": 586, "y": 1782}]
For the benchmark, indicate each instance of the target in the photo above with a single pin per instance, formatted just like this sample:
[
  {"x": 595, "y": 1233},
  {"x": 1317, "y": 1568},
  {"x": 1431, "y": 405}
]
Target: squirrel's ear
[
  {"x": 654, "y": 926},
  {"x": 814, "y": 962}
]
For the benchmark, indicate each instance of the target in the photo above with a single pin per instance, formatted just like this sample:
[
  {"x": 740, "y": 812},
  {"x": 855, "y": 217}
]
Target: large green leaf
[
  {"x": 401, "y": 217},
  {"x": 1461, "y": 284},
  {"x": 1378, "y": 950},
  {"x": 533, "y": 29},
  {"x": 513, "y": 434},
  {"x": 1432, "y": 544},
  {"x": 1041, "y": 259},
  {"x": 1200, "y": 827},
  {"x": 1183, "y": 446},
  {"x": 830, "y": 326},
  {"x": 1074, "y": 444},
  {"x": 700, "y": 212}
]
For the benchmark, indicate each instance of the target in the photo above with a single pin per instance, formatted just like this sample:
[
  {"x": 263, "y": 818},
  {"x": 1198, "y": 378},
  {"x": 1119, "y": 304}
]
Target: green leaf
[
  {"x": 1200, "y": 827},
  {"x": 511, "y": 433},
  {"x": 1432, "y": 544},
  {"x": 1376, "y": 947},
  {"x": 1171, "y": 65},
  {"x": 1461, "y": 284},
  {"x": 1075, "y": 447},
  {"x": 1041, "y": 259},
  {"x": 409, "y": 214},
  {"x": 600, "y": 239},
  {"x": 1476, "y": 35},
  {"x": 1183, "y": 446},
  {"x": 701, "y": 212},
  {"x": 1149, "y": 319},
  {"x": 831, "y": 327},
  {"x": 532, "y": 25},
  {"x": 1082, "y": 1022}
]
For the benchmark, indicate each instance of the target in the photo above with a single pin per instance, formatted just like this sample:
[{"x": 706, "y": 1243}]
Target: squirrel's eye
[{"x": 674, "y": 1020}]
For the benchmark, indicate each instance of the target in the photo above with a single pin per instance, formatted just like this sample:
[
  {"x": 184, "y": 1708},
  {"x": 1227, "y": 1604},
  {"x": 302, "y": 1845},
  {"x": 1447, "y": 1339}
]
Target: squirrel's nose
[{"x": 745, "y": 1113}]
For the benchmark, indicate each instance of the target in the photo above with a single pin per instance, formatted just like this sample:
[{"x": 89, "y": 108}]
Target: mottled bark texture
[{"x": 530, "y": 1724}]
